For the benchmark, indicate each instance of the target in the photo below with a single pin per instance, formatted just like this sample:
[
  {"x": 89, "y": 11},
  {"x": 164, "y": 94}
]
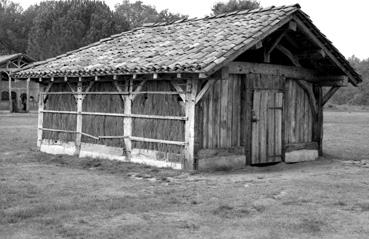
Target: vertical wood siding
[
  {"x": 298, "y": 115},
  {"x": 218, "y": 121}
]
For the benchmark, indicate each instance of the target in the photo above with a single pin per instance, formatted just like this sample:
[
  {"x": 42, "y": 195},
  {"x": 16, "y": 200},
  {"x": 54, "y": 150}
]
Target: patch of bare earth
[{"x": 45, "y": 196}]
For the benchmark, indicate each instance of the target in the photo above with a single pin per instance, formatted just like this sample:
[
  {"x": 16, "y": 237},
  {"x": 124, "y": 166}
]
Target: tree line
[
  {"x": 50, "y": 28},
  {"x": 355, "y": 95}
]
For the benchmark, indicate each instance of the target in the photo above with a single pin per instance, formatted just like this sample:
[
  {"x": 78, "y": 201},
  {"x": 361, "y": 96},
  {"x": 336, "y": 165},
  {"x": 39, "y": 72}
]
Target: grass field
[{"x": 44, "y": 196}]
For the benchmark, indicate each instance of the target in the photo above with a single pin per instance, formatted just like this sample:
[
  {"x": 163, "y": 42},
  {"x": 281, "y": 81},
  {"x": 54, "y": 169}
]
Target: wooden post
[
  {"x": 10, "y": 95},
  {"x": 128, "y": 120},
  {"x": 79, "y": 99},
  {"x": 191, "y": 92},
  {"x": 318, "y": 123},
  {"x": 41, "y": 107},
  {"x": 27, "y": 102}
]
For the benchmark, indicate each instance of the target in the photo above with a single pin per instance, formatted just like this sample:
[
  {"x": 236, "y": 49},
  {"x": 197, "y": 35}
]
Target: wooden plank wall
[
  {"x": 298, "y": 115},
  {"x": 218, "y": 116}
]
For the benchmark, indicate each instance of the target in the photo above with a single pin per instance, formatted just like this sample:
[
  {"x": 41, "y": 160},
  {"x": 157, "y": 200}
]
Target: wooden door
[{"x": 266, "y": 144}]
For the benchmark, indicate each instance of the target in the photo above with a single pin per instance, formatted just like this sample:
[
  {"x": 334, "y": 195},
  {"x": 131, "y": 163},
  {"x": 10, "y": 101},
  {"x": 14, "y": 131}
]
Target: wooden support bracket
[
  {"x": 205, "y": 89},
  {"x": 138, "y": 88},
  {"x": 329, "y": 94},
  {"x": 88, "y": 89},
  {"x": 179, "y": 90},
  {"x": 73, "y": 91},
  {"x": 119, "y": 89},
  {"x": 309, "y": 91},
  {"x": 289, "y": 55}
]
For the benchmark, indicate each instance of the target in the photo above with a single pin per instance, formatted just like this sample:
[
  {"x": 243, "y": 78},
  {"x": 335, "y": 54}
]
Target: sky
[{"x": 345, "y": 23}]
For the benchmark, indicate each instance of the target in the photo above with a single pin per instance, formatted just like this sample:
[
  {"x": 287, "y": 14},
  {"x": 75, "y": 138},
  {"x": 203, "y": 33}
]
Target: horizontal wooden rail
[
  {"x": 113, "y": 137},
  {"x": 90, "y": 136},
  {"x": 133, "y": 138},
  {"x": 140, "y": 139},
  {"x": 160, "y": 117},
  {"x": 58, "y": 130},
  {"x": 115, "y": 93}
]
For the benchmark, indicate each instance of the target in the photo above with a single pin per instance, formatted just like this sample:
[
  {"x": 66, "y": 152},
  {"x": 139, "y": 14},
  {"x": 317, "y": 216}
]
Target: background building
[{"x": 21, "y": 91}]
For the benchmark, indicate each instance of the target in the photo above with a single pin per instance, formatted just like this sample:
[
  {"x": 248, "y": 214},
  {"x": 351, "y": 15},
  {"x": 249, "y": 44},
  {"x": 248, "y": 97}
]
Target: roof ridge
[{"x": 238, "y": 12}]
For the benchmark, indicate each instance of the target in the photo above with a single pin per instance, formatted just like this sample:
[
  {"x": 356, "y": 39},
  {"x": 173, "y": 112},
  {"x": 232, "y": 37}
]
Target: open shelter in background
[
  {"x": 242, "y": 88},
  {"x": 16, "y": 95}
]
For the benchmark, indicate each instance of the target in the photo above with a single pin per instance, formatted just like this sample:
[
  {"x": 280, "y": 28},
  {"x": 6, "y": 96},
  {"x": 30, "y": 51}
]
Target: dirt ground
[{"x": 44, "y": 196}]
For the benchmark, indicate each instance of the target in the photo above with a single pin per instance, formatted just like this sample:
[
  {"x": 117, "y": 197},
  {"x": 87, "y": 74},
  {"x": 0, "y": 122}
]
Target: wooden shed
[{"x": 243, "y": 88}]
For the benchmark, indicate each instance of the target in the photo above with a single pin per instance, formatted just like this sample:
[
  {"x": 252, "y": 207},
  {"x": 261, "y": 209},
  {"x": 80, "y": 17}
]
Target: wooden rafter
[
  {"x": 329, "y": 94},
  {"x": 309, "y": 91},
  {"x": 314, "y": 38}
]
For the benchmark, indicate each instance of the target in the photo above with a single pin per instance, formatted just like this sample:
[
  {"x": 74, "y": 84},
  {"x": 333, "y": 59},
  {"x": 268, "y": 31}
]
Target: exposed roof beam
[
  {"x": 292, "y": 72},
  {"x": 269, "y": 50},
  {"x": 271, "y": 69},
  {"x": 289, "y": 54}
]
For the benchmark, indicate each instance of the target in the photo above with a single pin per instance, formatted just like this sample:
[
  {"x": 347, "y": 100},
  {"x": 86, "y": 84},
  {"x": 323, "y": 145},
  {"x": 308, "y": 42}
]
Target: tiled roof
[{"x": 185, "y": 46}]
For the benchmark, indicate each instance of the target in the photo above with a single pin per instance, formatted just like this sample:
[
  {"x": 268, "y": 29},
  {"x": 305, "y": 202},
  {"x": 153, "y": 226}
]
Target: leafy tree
[
  {"x": 61, "y": 26},
  {"x": 355, "y": 95},
  {"x": 13, "y": 32},
  {"x": 234, "y": 5},
  {"x": 137, "y": 13}
]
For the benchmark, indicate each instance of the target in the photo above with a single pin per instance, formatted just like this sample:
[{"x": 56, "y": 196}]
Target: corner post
[
  {"x": 79, "y": 99},
  {"x": 191, "y": 92},
  {"x": 40, "y": 121},
  {"x": 128, "y": 120},
  {"x": 318, "y": 128},
  {"x": 10, "y": 94},
  {"x": 27, "y": 103}
]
